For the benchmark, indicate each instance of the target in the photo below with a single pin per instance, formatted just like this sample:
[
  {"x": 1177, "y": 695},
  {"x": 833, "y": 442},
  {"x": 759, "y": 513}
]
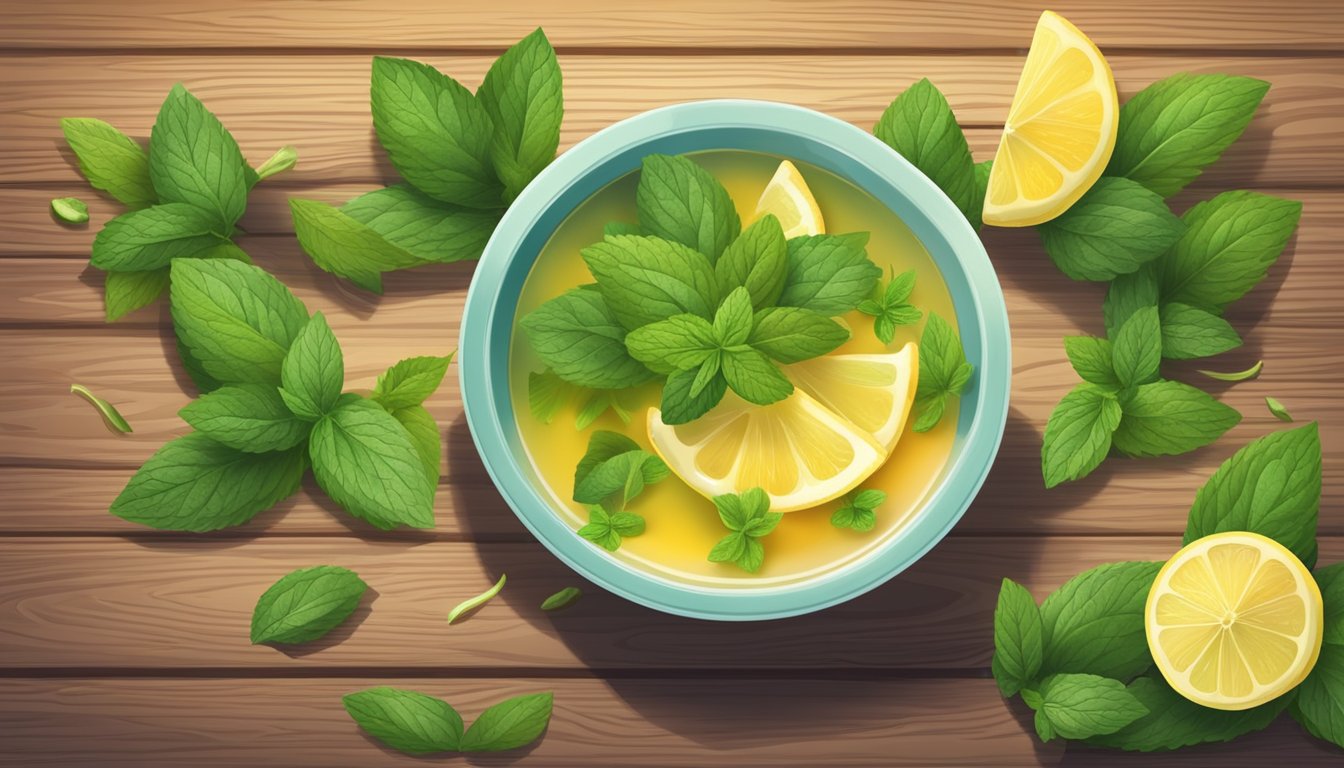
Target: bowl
[{"x": 758, "y": 126}]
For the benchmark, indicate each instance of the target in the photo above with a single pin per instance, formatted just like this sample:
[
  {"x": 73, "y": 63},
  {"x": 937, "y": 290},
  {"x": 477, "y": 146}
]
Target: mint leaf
[
  {"x": 600, "y": 401},
  {"x": 1078, "y": 434},
  {"x": 1331, "y": 582},
  {"x": 1018, "y": 638},
  {"x": 747, "y": 515},
  {"x": 608, "y": 529},
  {"x": 1174, "y": 721},
  {"x": 1167, "y": 418},
  {"x": 793, "y": 334},
  {"x": 436, "y": 133},
  {"x": 510, "y": 724},
  {"x": 982, "y": 170},
  {"x": 581, "y": 339},
  {"x": 1278, "y": 409},
  {"x": 178, "y": 488},
  {"x": 1136, "y": 351},
  {"x": 858, "y": 510},
  {"x": 406, "y": 721},
  {"x": 1080, "y": 706},
  {"x": 125, "y": 292},
  {"x": 1228, "y": 245},
  {"x": 602, "y": 446},
  {"x": 562, "y": 599},
  {"x": 234, "y": 319},
  {"x": 919, "y": 125},
  {"x": 193, "y": 159},
  {"x": 521, "y": 93},
  {"x": 340, "y": 244},
  {"x": 1189, "y": 332},
  {"x": 1094, "y": 622},
  {"x": 1116, "y": 227},
  {"x": 625, "y": 473},
  {"x": 1319, "y": 704},
  {"x": 410, "y": 382},
  {"x": 943, "y": 372},
  {"x": 365, "y": 461},
  {"x": 1272, "y": 486},
  {"x": 1175, "y": 127},
  {"x": 418, "y": 225},
  {"x": 110, "y": 160},
  {"x": 70, "y": 210},
  {"x": 682, "y": 202},
  {"x": 679, "y": 343},
  {"x": 313, "y": 371},
  {"x": 1128, "y": 294},
  {"x": 889, "y": 306},
  {"x": 757, "y": 260},
  {"x": 472, "y": 603},
  {"x": 829, "y": 274},
  {"x": 647, "y": 279},
  {"x": 733, "y": 320},
  {"x": 151, "y": 238},
  {"x": 306, "y": 604},
  {"x": 424, "y": 433},
  {"x": 246, "y": 417},
  {"x": 1091, "y": 359},
  {"x": 681, "y": 404},
  {"x": 754, "y": 378}
]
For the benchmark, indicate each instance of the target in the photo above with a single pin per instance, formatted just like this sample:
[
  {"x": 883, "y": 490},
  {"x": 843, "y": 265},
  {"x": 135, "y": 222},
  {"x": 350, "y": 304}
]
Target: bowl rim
[{"x": 486, "y": 400}]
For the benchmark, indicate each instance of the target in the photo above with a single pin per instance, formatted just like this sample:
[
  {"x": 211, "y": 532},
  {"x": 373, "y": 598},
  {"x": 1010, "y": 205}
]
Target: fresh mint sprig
[
  {"x": 613, "y": 471},
  {"x": 890, "y": 306},
  {"x": 944, "y": 372},
  {"x": 748, "y": 518},
  {"x": 858, "y": 510}
]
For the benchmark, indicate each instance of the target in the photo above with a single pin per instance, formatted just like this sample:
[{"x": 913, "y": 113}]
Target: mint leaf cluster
[
  {"x": 273, "y": 407},
  {"x": 419, "y": 724},
  {"x": 1171, "y": 277},
  {"x": 613, "y": 471},
  {"x": 748, "y": 518},
  {"x": 464, "y": 157},
  {"x": 858, "y": 509},
  {"x": 890, "y": 306},
  {"x": 185, "y": 195},
  {"x": 695, "y": 300},
  {"x": 1080, "y": 659}
]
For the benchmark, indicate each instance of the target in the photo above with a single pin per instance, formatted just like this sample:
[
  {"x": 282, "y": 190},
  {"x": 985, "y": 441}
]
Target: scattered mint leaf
[
  {"x": 647, "y": 279},
  {"x": 858, "y": 510},
  {"x": 920, "y": 126},
  {"x": 1094, "y": 622},
  {"x": 194, "y": 160},
  {"x": 754, "y": 378},
  {"x": 1174, "y": 721},
  {"x": 1018, "y": 639},
  {"x": 406, "y": 721},
  {"x": 943, "y": 372},
  {"x": 1166, "y": 418},
  {"x": 1079, "y": 706},
  {"x": 306, "y": 604},
  {"x": 562, "y": 599},
  {"x": 246, "y": 417},
  {"x": 1242, "y": 375},
  {"x": 1275, "y": 407},
  {"x": 747, "y": 515},
  {"x": 890, "y": 306},
  {"x": 681, "y": 202},
  {"x": 151, "y": 238},
  {"x": 1128, "y": 294},
  {"x": 1136, "y": 351},
  {"x": 125, "y": 292},
  {"x": 424, "y": 433},
  {"x": 472, "y": 603},
  {"x": 111, "y": 416},
  {"x": 680, "y": 406},
  {"x": 758, "y": 261},
  {"x": 794, "y": 334},
  {"x": 313, "y": 371},
  {"x": 829, "y": 274},
  {"x": 342, "y": 245},
  {"x": 510, "y": 724},
  {"x": 522, "y": 95},
  {"x": 410, "y": 382},
  {"x": 421, "y": 228},
  {"x": 70, "y": 210},
  {"x": 579, "y": 337},
  {"x": 1078, "y": 434},
  {"x": 112, "y": 161},
  {"x": 1116, "y": 227},
  {"x": 607, "y": 529},
  {"x": 283, "y": 160},
  {"x": 1091, "y": 358},
  {"x": 1189, "y": 332}
]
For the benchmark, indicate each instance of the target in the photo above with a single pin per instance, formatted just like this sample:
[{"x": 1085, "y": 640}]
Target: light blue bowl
[{"x": 758, "y": 126}]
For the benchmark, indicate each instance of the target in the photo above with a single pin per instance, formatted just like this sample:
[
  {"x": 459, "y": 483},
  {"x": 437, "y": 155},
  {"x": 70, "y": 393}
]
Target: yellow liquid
[{"x": 682, "y": 525}]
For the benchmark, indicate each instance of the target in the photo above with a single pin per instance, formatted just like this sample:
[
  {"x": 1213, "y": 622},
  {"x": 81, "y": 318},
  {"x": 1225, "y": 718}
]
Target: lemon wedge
[
  {"x": 1060, "y": 130},
  {"x": 872, "y": 392},
  {"x": 789, "y": 199},
  {"x": 1234, "y": 620}
]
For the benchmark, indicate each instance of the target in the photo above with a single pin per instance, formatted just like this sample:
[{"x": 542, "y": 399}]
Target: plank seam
[{"x": 1316, "y": 51}]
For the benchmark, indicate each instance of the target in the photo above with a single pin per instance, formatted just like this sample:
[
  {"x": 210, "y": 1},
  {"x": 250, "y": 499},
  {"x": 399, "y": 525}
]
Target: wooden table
[{"x": 121, "y": 646}]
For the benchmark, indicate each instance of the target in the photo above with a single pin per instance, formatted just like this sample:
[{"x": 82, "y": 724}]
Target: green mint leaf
[
  {"x": 679, "y": 343},
  {"x": 151, "y": 238},
  {"x": 1091, "y": 359},
  {"x": 1116, "y": 227},
  {"x": 1319, "y": 704},
  {"x": 510, "y": 724},
  {"x": 1174, "y": 128},
  {"x": 706, "y": 374},
  {"x": 929, "y": 411},
  {"x": 178, "y": 488},
  {"x": 420, "y": 226},
  {"x": 747, "y": 516},
  {"x": 898, "y": 289},
  {"x": 436, "y": 133},
  {"x": 365, "y": 461},
  {"x": 313, "y": 371},
  {"x": 1189, "y": 332},
  {"x": 112, "y": 161},
  {"x": 1234, "y": 376},
  {"x": 1018, "y": 643},
  {"x": 406, "y": 721},
  {"x": 1167, "y": 418},
  {"x": 1331, "y": 582},
  {"x": 111, "y": 416},
  {"x": 854, "y": 518},
  {"x": 647, "y": 279},
  {"x": 1174, "y": 721},
  {"x": 733, "y": 320},
  {"x": 424, "y": 433},
  {"x": 340, "y": 244},
  {"x": 1272, "y": 486},
  {"x": 625, "y": 474},
  {"x": 729, "y": 549},
  {"x": 125, "y": 292},
  {"x": 235, "y": 320},
  {"x": 1032, "y": 698},
  {"x": 754, "y": 378},
  {"x": 607, "y": 529},
  {"x": 1044, "y": 729},
  {"x": 682, "y": 202},
  {"x": 679, "y": 404},
  {"x": 284, "y": 159},
  {"x": 1094, "y": 622},
  {"x": 306, "y": 604},
  {"x": 1278, "y": 409},
  {"x": 1079, "y": 706},
  {"x": 246, "y": 417},
  {"x": 547, "y": 393},
  {"x": 1228, "y": 245},
  {"x": 1127, "y": 295},
  {"x": 737, "y": 510},
  {"x": 410, "y": 382},
  {"x": 472, "y": 603},
  {"x": 562, "y": 599},
  {"x": 758, "y": 261},
  {"x": 943, "y": 372},
  {"x": 1078, "y": 434},
  {"x": 793, "y": 334},
  {"x": 982, "y": 170},
  {"x": 919, "y": 125},
  {"x": 870, "y": 498},
  {"x": 579, "y": 337},
  {"x": 617, "y": 228},
  {"x": 522, "y": 95},
  {"x": 70, "y": 210},
  {"x": 193, "y": 159},
  {"x": 1136, "y": 351},
  {"x": 602, "y": 447},
  {"x": 829, "y": 274}
]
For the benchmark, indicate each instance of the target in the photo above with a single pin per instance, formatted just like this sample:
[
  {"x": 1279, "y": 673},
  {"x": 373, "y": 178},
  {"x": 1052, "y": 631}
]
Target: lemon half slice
[
  {"x": 789, "y": 199},
  {"x": 1060, "y": 129},
  {"x": 1234, "y": 620},
  {"x": 873, "y": 392}
]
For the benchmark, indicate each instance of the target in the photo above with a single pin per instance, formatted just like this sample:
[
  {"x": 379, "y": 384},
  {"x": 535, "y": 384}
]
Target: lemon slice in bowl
[
  {"x": 789, "y": 199},
  {"x": 798, "y": 451},
  {"x": 1234, "y": 620},
  {"x": 873, "y": 392},
  {"x": 1060, "y": 130}
]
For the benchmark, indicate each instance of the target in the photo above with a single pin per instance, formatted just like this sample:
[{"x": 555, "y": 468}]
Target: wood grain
[
  {"x": 321, "y": 103},
  {"x": 111, "y": 604},
  {"x": 921, "y": 24}
]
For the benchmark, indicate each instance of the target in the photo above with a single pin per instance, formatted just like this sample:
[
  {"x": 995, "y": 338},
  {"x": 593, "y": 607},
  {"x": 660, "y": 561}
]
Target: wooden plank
[
  {"x": 320, "y": 103},
  {"x": 922, "y": 24},
  {"x": 113, "y": 604}
]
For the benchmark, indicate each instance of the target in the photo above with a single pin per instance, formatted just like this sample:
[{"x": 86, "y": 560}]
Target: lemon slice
[
  {"x": 1234, "y": 620},
  {"x": 1060, "y": 129},
  {"x": 789, "y": 199},
  {"x": 799, "y": 452},
  {"x": 872, "y": 392}
]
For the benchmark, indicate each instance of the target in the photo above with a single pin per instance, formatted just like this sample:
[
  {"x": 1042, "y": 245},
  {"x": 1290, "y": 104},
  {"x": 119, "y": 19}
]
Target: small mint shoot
[
  {"x": 748, "y": 518},
  {"x": 857, "y": 510},
  {"x": 283, "y": 160},
  {"x": 890, "y": 306}
]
